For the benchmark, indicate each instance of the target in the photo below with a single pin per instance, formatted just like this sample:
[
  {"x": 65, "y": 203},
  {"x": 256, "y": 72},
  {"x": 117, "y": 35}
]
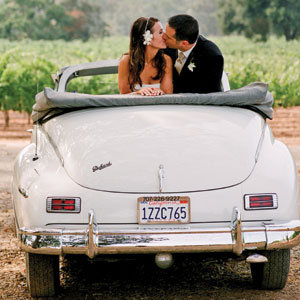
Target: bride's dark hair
[{"x": 137, "y": 52}]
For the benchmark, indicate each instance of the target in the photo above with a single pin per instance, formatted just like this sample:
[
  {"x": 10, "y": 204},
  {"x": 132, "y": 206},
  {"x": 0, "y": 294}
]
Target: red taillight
[
  {"x": 261, "y": 201},
  {"x": 63, "y": 204},
  {"x": 57, "y": 201}
]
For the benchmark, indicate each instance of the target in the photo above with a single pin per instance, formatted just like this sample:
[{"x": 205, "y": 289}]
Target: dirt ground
[{"x": 213, "y": 278}]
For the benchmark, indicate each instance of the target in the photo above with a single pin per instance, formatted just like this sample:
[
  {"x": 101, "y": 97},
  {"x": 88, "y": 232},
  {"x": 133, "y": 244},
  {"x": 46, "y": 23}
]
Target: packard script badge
[{"x": 102, "y": 166}]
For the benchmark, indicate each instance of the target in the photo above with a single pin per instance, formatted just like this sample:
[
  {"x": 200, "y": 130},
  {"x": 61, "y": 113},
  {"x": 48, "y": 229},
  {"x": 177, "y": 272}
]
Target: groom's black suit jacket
[{"x": 207, "y": 73}]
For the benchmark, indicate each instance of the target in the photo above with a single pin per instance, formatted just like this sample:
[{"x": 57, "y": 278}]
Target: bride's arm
[
  {"x": 124, "y": 86},
  {"x": 166, "y": 84},
  {"x": 123, "y": 72}
]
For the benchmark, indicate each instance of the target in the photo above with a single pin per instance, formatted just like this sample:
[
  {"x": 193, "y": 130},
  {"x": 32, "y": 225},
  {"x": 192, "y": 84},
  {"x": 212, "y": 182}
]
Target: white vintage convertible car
[{"x": 184, "y": 173}]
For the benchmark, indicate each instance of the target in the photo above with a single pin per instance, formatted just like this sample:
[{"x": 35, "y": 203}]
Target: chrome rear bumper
[{"x": 93, "y": 241}]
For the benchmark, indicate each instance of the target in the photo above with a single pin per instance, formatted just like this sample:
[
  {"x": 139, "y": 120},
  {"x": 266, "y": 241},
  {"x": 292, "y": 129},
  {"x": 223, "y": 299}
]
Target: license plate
[{"x": 163, "y": 209}]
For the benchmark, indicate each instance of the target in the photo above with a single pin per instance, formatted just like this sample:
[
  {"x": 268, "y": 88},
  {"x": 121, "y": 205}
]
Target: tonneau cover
[{"x": 253, "y": 96}]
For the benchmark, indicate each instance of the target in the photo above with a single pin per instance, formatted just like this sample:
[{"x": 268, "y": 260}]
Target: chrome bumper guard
[{"x": 234, "y": 238}]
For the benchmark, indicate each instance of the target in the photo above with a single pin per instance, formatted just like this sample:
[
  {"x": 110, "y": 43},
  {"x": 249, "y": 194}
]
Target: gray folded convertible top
[{"x": 253, "y": 96}]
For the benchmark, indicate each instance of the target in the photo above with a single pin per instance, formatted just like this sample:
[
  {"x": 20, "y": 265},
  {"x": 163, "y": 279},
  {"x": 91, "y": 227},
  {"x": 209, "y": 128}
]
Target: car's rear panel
[
  {"x": 121, "y": 149},
  {"x": 86, "y": 187},
  {"x": 213, "y": 155}
]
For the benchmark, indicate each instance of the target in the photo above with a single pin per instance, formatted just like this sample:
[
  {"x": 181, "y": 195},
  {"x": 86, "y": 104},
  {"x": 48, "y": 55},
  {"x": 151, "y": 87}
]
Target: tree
[
  {"x": 285, "y": 18},
  {"x": 21, "y": 77},
  {"x": 34, "y": 19},
  {"x": 86, "y": 19},
  {"x": 50, "y": 19},
  {"x": 256, "y": 19},
  {"x": 257, "y": 23},
  {"x": 6, "y": 102},
  {"x": 230, "y": 15},
  {"x": 248, "y": 17}
]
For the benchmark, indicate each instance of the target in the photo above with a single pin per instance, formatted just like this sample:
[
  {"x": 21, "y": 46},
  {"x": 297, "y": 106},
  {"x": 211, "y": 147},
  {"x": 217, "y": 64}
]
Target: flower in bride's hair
[{"x": 147, "y": 37}]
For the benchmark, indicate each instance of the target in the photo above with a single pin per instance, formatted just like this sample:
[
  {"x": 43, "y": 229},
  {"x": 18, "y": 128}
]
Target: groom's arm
[{"x": 213, "y": 77}]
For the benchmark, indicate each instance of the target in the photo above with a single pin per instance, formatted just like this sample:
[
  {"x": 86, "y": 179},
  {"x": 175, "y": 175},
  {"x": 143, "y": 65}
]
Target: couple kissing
[{"x": 177, "y": 60}]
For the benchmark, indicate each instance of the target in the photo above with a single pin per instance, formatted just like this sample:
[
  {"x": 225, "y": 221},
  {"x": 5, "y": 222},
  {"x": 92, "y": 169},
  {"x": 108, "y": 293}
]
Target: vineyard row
[{"x": 26, "y": 67}]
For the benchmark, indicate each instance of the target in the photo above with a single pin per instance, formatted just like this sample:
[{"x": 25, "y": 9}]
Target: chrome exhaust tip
[{"x": 164, "y": 260}]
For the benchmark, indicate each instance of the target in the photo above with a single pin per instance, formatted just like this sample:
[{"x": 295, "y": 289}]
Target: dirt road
[{"x": 212, "y": 278}]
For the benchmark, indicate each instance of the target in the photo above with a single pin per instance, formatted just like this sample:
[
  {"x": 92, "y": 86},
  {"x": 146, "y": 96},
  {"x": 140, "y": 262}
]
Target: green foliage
[
  {"x": 26, "y": 66},
  {"x": 50, "y": 19},
  {"x": 97, "y": 85},
  {"x": 275, "y": 62},
  {"x": 230, "y": 16},
  {"x": 86, "y": 19},
  {"x": 21, "y": 76},
  {"x": 246, "y": 17},
  {"x": 35, "y": 19},
  {"x": 7, "y": 100},
  {"x": 285, "y": 17},
  {"x": 256, "y": 19}
]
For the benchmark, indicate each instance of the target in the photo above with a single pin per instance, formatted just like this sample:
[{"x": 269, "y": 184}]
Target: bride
[{"x": 145, "y": 70}]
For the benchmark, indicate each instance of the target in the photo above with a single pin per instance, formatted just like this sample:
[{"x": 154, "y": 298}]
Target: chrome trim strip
[
  {"x": 51, "y": 142},
  {"x": 93, "y": 241},
  {"x": 161, "y": 175},
  {"x": 260, "y": 143}
]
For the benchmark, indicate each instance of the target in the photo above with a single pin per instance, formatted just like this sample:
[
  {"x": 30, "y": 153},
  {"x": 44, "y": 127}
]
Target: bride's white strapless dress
[{"x": 155, "y": 85}]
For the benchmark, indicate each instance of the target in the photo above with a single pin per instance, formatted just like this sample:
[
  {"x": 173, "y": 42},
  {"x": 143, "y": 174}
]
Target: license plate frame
[{"x": 146, "y": 215}]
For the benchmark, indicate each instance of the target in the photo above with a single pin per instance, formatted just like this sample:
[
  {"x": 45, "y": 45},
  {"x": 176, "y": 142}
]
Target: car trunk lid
[{"x": 142, "y": 149}]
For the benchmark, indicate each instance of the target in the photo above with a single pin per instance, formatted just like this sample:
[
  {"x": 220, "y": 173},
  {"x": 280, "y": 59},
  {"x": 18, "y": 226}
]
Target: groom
[{"x": 198, "y": 62}]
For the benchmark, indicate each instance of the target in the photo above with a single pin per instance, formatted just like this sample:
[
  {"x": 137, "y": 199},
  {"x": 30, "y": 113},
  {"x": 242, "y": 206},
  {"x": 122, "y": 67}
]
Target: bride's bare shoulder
[
  {"x": 124, "y": 58},
  {"x": 167, "y": 58}
]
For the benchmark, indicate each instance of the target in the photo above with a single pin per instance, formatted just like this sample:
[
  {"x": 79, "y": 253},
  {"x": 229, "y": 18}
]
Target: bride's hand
[
  {"x": 149, "y": 91},
  {"x": 145, "y": 91},
  {"x": 158, "y": 92}
]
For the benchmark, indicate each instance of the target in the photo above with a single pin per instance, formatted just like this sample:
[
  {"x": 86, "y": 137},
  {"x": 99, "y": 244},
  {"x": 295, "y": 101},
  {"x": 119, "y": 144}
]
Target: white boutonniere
[
  {"x": 191, "y": 66},
  {"x": 147, "y": 37}
]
